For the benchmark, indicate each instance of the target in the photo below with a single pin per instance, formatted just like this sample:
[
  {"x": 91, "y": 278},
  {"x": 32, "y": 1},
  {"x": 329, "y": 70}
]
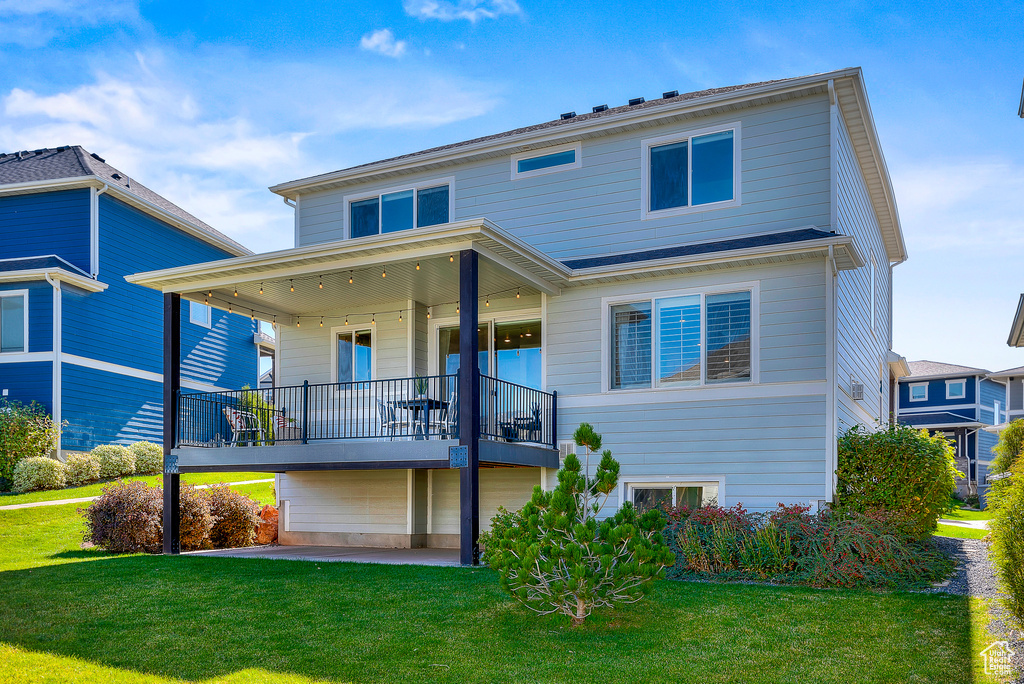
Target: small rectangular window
[
  {"x": 956, "y": 389},
  {"x": 728, "y": 337},
  {"x": 200, "y": 314},
  {"x": 355, "y": 356},
  {"x": 365, "y": 218},
  {"x": 12, "y": 323},
  {"x": 691, "y": 171},
  {"x": 919, "y": 392},
  {"x": 432, "y": 206},
  {"x": 691, "y": 495},
  {"x": 536, "y": 163},
  {"x": 631, "y": 345}
]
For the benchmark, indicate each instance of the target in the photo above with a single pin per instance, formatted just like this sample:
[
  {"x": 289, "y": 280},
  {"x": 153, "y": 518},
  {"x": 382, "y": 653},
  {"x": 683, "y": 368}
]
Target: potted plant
[{"x": 421, "y": 386}]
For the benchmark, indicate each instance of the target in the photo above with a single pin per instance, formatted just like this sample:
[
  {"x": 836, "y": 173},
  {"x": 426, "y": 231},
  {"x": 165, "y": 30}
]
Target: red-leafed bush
[
  {"x": 235, "y": 517},
  {"x": 195, "y": 522},
  {"x": 126, "y": 518}
]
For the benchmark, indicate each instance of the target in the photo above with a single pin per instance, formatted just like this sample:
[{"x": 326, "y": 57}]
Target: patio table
[{"x": 420, "y": 408}]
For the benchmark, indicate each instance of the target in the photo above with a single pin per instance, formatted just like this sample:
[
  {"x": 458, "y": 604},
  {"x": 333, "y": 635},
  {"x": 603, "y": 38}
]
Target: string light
[
  {"x": 350, "y": 277},
  {"x": 429, "y": 308},
  {"x": 210, "y": 293},
  {"x": 229, "y": 309},
  {"x": 261, "y": 288},
  {"x": 346, "y": 319},
  {"x": 236, "y": 291},
  {"x": 517, "y": 293},
  {"x": 451, "y": 258},
  {"x": 274, "y": 323},
  {"x": 252, "y": 316},
  {"x": 399, "y": 316},
  {"x": 373, "y": 319},
  {"x": 298, "y": 322},
  {"x": 417, "y": 265},
  {"x": 488, "y": 302},
  {"x": 206, "y": 301},
  {"x": 456, "y": 307},
  {"x": 321, "y": 282},
  {"x": 292, "y": 282},
  {"x": 321, "y": 321},
  {"x": 384, "y": 273}
]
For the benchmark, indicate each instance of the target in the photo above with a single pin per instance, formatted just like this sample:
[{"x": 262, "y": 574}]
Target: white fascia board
[
  {"x": 546, "y": 135},
  {"x": 55, "y": 184},
  {"x": 79, "y": 281},
  {"x": 942, "y": 376}
]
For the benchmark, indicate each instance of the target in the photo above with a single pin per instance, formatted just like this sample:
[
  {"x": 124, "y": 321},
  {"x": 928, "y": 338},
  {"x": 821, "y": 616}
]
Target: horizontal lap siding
[
  {"x": 47, "y": 223},
  {"x": 991, "y": 392},
  {"x": 108, "y": 408},
  {"x": 368, "y": 501},
  {"x": 509, "y": 488},
  {"x": 28, "y": 382},
  {"x": 767, "y": 449},
  {"x": 860, "y": 352},
  {"x": 595, "y": 209},
  {"x": 792, "y": 322},
  {"x": 124, "y": 324}
]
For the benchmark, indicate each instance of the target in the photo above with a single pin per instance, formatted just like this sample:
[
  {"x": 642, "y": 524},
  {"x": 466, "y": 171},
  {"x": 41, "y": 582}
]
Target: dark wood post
[
  {"x": 172, "y": 387},
  {"x": 469, "y": 407}
]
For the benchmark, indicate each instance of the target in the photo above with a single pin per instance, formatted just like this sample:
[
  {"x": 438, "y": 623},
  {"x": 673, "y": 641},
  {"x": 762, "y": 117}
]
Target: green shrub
[
  {"x": 25, "y": 432},
  {"x": 898, "y": 469},
  {"x": 149, "y": 458},
  {"x": 38, "y": 472},
  {"x": 195, "y": 522},
  {"x": 115, "y": 461},
  {"x": 792, "y": 545},
  {"x": 235, "y": 517},
  {"x": 554, "y": 556},
  {"x": 1009, "y": 447},
  {"x": 1008, "y": 539},
  {"x": 82, "y": 469},
  {"x": 126, "y": 518}
]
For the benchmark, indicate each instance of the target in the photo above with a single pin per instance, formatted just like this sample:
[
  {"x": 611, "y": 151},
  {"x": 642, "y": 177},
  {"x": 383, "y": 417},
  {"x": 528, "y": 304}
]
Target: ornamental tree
[{"x": 555, "y": 555}]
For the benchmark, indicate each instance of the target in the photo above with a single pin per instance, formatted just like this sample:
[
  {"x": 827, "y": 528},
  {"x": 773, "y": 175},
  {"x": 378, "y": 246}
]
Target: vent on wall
[
  {"x": 564, "y": 449},
  {"x": 857, "y": 391}
]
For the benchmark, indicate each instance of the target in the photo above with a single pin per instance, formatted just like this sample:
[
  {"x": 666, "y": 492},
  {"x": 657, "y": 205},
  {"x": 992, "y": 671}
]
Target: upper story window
[
  {"x": 13, "y": 322},
  {"x": 550, "y": 160},
  {"x": 200, "y": 314},
  {"x": 355, "y": 356},
  {"x": 682, "y": 341},
  {"x": 400, "y": 209},
  {"x": 693, "y": 171},
  {"x": 956, "y": 389},
  {"x": 919, "y": 392}
]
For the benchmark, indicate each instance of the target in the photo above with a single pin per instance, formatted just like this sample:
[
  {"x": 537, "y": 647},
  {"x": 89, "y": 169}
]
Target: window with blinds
[{"x": 689, "y": 341}]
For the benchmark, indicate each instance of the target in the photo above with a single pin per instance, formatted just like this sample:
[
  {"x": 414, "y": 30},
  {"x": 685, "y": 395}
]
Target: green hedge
[
  {"x": 898, "y": 469},
  {"x": 25, "y": 432}
]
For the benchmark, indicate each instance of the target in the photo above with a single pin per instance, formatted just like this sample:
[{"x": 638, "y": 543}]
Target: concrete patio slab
[{"x": 348, "y": 554}]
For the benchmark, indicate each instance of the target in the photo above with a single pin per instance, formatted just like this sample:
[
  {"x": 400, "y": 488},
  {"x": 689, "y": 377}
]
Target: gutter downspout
[
  {"x": 295, "y": 228},
  {"x": 57, "y": 364},
  {"x": 831, "y": 379},
  {"x": 94, "y": 230}
]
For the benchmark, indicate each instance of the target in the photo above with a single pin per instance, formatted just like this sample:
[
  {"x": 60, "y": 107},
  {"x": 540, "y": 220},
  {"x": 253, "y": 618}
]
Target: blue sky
[{"x": 211, "y": 102}]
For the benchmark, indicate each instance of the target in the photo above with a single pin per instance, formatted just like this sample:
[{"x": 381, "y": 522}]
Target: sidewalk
[
  {"x": 87, "y": 499},
  {"x": 973, "y": 524}
]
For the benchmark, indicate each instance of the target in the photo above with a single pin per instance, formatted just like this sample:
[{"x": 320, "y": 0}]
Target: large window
[
  {"x": 682, "y": 341},
  {"x": 691, "y": 172},
  {"x": 13, "y": 322},
  {"x": 399, "y": 210},
  {"x": 355, "y": 356}
]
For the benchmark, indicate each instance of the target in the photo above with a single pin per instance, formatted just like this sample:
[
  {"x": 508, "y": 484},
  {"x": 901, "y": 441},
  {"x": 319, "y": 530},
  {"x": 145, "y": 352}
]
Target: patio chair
[
  {"x": 389, "y": 420},
  {"x": 245, "y": 427},
  {"x": 447, "y": 423}
]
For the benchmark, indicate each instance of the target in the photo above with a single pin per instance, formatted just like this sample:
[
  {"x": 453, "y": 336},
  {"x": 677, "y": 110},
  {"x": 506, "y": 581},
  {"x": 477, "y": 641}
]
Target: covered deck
[{"x": 362, "y": 411}]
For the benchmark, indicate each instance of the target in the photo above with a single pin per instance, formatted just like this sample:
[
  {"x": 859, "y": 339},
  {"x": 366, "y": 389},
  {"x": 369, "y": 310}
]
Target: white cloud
[
  {"x": 470, "y": 10},
  {"x": 383, "y": 42},
  {"x": 34, "y": 23}
]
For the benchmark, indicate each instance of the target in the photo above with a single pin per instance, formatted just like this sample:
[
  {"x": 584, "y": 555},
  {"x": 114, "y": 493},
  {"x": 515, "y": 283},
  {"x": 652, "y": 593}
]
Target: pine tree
[{"x": 555, "y": 556}]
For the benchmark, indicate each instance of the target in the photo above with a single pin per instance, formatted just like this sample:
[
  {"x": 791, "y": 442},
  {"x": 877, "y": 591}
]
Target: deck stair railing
[{"x": 423, "y": 407}]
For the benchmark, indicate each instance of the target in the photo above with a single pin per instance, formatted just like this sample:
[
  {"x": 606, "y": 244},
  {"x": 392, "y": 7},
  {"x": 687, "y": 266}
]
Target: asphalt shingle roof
[
  {"x": 769, "y": 240},
  {"x": 941, "y": 418},
  {"x": 928, "y": 368},
  {"x": 73, "y": 161},
  {"x": 38, "y": 263}
]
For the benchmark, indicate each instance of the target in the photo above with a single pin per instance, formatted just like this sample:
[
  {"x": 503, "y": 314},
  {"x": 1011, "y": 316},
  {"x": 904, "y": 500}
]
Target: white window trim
[
  {"x": 338, "y": 329},
  {"x": 347, "y": 201},
  {"x": 910, "y": 391},
  {"x": 511, "y": 316},
  {"x": 645, "y": 172},
  {"x": 208, "y": 323},
  {"x": 607, "y": 303},
  {"x": 543, "y": 152},
  {"x": 950, "y": 383},
  {"x": 23, "y": 294},
  {"x": 627, "y": 484}
]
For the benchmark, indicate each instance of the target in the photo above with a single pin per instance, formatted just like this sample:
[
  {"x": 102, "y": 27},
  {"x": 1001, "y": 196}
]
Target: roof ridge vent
[
  {"x": 98, "y": 157},
  {"x": 568, "y": 115},
  {"x": 635, "y": 101},
  {"x": 600, "y": 108},
  {"x": 670, "y": 93}
]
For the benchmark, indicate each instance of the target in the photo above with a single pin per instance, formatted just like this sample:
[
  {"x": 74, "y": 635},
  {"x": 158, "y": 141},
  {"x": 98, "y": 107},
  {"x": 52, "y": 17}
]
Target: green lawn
[
  {"x": 73, "y": 615},
  {"x": 967, "y": 514},
  {"x": 96, "y": 489},
  {"x": 960, "y": 532}
]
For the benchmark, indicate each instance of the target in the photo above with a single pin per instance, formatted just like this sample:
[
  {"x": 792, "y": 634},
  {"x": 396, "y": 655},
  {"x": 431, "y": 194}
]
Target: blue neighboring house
[
  {"x": 959, "y": 402},
  {"x": 74, "y": 335}
]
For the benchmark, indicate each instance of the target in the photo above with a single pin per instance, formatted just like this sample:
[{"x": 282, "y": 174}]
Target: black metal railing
[
  {"x": 516, "y": 413},
  {"x": 399, "y": 409}
]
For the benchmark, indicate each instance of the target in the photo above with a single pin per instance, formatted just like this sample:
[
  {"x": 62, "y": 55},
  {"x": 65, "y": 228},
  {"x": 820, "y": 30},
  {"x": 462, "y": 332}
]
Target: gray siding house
[{"x": 705, "y": 277}]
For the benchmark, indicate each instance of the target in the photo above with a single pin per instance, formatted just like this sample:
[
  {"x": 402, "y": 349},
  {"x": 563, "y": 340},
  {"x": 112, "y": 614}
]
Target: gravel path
[{"x": 975, "y": 576}]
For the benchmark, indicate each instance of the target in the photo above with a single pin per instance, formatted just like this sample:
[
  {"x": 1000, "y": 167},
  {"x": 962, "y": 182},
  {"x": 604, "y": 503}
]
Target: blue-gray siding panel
[
  {"x": 108, "y": 408},
  {"x": 47, "y": 223},
  {"x": 28, "y": 382}
]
